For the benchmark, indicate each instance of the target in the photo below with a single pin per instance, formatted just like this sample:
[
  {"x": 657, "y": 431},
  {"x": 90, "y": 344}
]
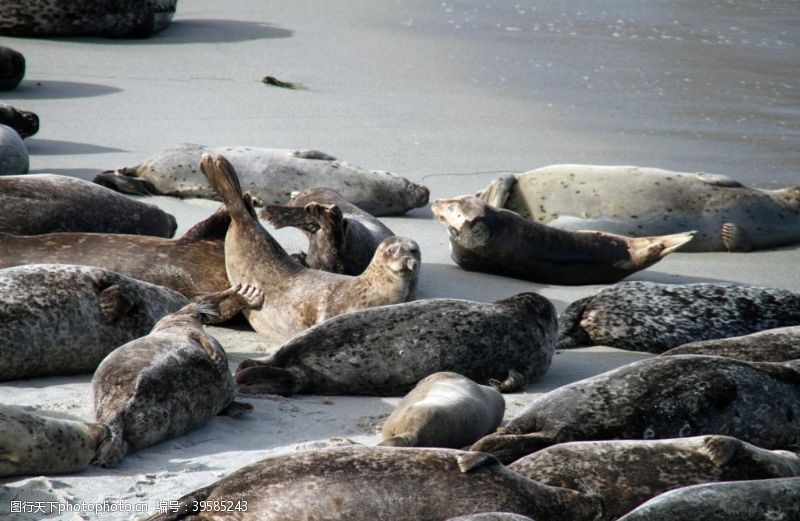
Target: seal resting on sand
[
  {"x": 12, "y": 68},
  {"x": 636, "y": 201},
  {"x": 773, "y": 345},
  {"x": 296, "y": 297},
  {"x": 13, "y": 152},
  {"x": 23, "y": 122},
  {"x": 485, "y": 239}
]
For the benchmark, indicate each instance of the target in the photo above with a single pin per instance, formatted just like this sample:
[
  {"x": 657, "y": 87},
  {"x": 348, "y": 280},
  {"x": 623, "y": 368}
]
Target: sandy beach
[{"x": 448, "y": 94}]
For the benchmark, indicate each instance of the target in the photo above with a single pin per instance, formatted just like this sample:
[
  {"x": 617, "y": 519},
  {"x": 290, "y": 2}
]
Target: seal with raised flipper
[
  {"x": 24, "y": 122},
  {"x": 269, "y": 174},
  {"x": 659, "y": 398},
  {"x": 387, "y": 350},
  {"x": 483, "y": 238},
  {"x": 637, "y": 202},
  {"x": 773, "y": 345},
  {"x": 13, "y": 152}
]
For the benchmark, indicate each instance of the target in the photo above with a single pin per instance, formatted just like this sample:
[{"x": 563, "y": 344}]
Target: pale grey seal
[
  {"x": 13, "y": 152},
  {"x": 12, "y": 68},
  {"x": 24, "y": 122},
  {"x": 773, "y": 345}
]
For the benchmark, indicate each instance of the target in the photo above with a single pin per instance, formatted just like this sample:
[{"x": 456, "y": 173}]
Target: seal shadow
[
  {"x": 670, "y": 278},
  {"x": 55, "y": 147},
  {"x": 203, "y": 30},
  {"x": 87, "y": 174},
  {"x": 49, "y": 89}
]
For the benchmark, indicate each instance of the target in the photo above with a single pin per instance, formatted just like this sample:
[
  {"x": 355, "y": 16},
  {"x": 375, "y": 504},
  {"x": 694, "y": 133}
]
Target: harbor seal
[
  {"x": 773, "y": 345},
  {"x": 31, "y": 443},
  {"x": 651, "y": 317},
  {"x": 118, "y": 19},
  {"x": 485, "y": 239},
  {"x": 60, "y": 319},
  {"x": 25, "y": 123},
  {"x": 368, "y": 483},
  {"x": 45, "y": 203},
  {"x": 491, "y": 516},
  {"x": 13, "y": 152},
  {"x": 12, "y": 68},
  {"x": 163, "y": 385},
  {"x": 444, "y": 410},
  {"x": 760, "y": 500},
  {"x": 296, "y": 297},
  {"x": 626, "y": 473},
  {"x": 342, "y": 238},
  {"x": 387, "y": 350},
  {"x": 269, "y": 174},
  {"x": 636, "y": 202},
  {"x": 658, "y": 398}
]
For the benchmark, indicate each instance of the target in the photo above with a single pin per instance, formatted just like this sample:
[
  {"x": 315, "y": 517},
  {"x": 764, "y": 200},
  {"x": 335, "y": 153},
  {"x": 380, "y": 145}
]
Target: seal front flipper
[
  {"x": 570, "y": 333},
  {"x": 406, "y": 439},
  {"x": 114, "y": 303},
  {"x": 510, "y": 447},
  {"x": 236, "y": 409},
  {"x": 313, "y": 155},
  {"x": 124, "y": 180},
  {"x": 515, "y": 381},
  {"x": 470, "y": 461},
  {"x": 734, "y": 238},
  {"x": 227, "y": 304},
  {"x": 498, "y": 191},
  {"x": 265, "y": 379},
  {"x": 283, "y": 216}
]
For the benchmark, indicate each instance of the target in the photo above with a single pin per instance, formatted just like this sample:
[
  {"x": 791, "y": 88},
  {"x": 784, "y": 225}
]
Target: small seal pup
[
  {"x": 626, "y": 473},
  {"x": 760, "y": 500},
  {"x": 652, "y": 317},
  {"x": 23, "y": 122},
  {"x": 34, "y": 444},
  {"x": 367, "y": 483},
  {"x": 342, "y": 238},
  {"x": 658, "y": 398},
  {"x": 444, "y": 410},
  {"x": 485, "y": 239},
  {"x": 165, "y": 384},
  {"x": 118, "y": 19},
  {"x": 60, "y": 319},
  {"x": 45, "y": 203},
  {"x": 296, "y": 297},
  {"x": 773, "y": 345},
  {"x": 13, "y": 152},
  {"x": 636, "y": 202},
  {"x": 269, "y": 174},
  {"x": 387, "y": 350},
  {"x": 12, "y": 68}
]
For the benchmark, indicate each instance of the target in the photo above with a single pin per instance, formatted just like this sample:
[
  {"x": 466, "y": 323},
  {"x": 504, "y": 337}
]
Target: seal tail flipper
[
  {"x": 265, "y": 379},
  {"x": 122, "y": 180},
  {"x": 406, "y": 439},
  {"x": 646, "y": 251},
  {"x": 734, "y": 238},
  {"x": 510, "y": 447},
  {"x": 223, "y": 179},
  {"x": 186, "y": 505},
  {"x": 469, "y": 461},
  {"x": 498, "y": 191},
  {"x": 282, "y": 216}
]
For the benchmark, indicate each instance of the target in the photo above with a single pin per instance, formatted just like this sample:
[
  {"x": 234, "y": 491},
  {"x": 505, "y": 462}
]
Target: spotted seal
[
  {"x": 46, "y": 203},
  {"x": 387, "y": 350},
  {"x": 485, "y": 239},
  {"x": 636, "y": 201},
  {"x": 61, "y": 319},
  {"x": 13, "y": 152},
  {"x": 299, "y": 297},
  {"x": 118, "y": 19},
  {"x": 444, "y": 410},
  {"x": 646, "y": 316},
  {"x": 31, "y": 443},
  {"x": 773, "y": 345},
  {"x": 368, "y": 483},
  {"x": 12, "y": 68},
  {"x": 626, "y": 473},
  {"x": 658, "y": 398},
  {"x": 269, "y": 174},
  {"x": 25, "y": 123}
]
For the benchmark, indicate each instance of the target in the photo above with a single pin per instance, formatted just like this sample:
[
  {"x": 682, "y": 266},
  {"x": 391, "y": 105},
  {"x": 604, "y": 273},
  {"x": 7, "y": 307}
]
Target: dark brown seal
[
  {"x": 296, "y": 297},
  {"x": 371, "y": 483},
  {"x": 24, "y": 122},
  {"x": 659, "y": 398},
  {"x": 46, "y": 203},
  {"x": 773, "y": 345},
  {"x": 12, "y": 68},
  {"x": 483, "y": 238}
]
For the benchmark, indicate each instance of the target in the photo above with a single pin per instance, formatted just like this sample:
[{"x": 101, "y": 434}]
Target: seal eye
[{"x": 393, "y": 250}]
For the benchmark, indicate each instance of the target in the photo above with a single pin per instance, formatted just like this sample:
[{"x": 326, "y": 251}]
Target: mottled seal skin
[
  {"x": 773, "y": 345},
  {"x": 636, "y": 202},
  {"x": 659, "y": 398},
  {"x": 651, "y": 317},
  {"x": 626, "y": 473},
  {"x": 45, "y": 203},
  {"x": 299, "y": 297},
  {"x": 12, "y": 68},
  {"x": 111, "y": 19},
  {"x": 191, "y": 265},
  {"x": 269, "y": 174},
  {"x": 342, "y": 238},
  {"x": 13, "y": 152},
  {"x": 444, "y": 410},
  {"x": 162, "y": 385},
  {"x": 61, "y": 319},
  {"x": 485, "y": 239},
  {"x": 369, "y": 483},
  {"x": 491, "y": 516},
  {"x": 34, "y": 444},
  {"x": 389, "y": 349},
  {"x": 766, "y": 499},
  {"x": 25, "y": 123}
]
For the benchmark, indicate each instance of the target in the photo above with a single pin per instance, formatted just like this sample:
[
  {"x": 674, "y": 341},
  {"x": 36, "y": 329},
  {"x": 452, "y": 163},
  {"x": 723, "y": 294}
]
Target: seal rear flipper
[
  {"x": 186, "y": 505},
  {"x": 214, "y": 227},
  {"x": 113, "y": 448},
  {"x": 498, "y": 191},
  {"x": 236, "y": 409},
  {"x": 646, "y": 251},
  {"x": 223, "y": 179},
  {"x": 114, "y": 303},
  {"x": 406, "y": 439},
  {"x": 469, "y": 461},
  {"x": 511, "y": 447},
  {"x": 227, "y": 304},
  {"x": 570, "y": 333},
  {"x": 515, "y": 381},
  {"x": 282, "y": 216},
  {"x": 734, "y": 238},
  {"x": 264, "y": 379},
  {"x": 121, "y": 181}
]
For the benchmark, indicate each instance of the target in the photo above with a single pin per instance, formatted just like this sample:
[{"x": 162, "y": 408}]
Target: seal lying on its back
[
  {"x": 165, "y": 384},
  {"x": 626, "y": 473},
  {"x": 646, "y": 316},
  {"x": 34, "y": 444},
  {"x": 60, "y": 319},
  {"x": 485, "y": 239},
  {"x": 389, "y": 349},
  {"x": 638, "y": 202},
  {"x": 13, "y": 152},
  {"x": 12, "y": 68},
  {"x": 112, "y": 19},
  {"x": 658, "y": 398},
  {"x": 760, "y": 500},
  {"x": 269, "y": 174},
  {"x": 444, "y": 410},
  {"x": 369, "y": 483},
  {"x": 23, "y": 122},
  {"x": 773, "y": 345},
  {"x": 296, "y": 297},
  {"x": 342, "y": 238},
  {"x": 46, "y": 203}
]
